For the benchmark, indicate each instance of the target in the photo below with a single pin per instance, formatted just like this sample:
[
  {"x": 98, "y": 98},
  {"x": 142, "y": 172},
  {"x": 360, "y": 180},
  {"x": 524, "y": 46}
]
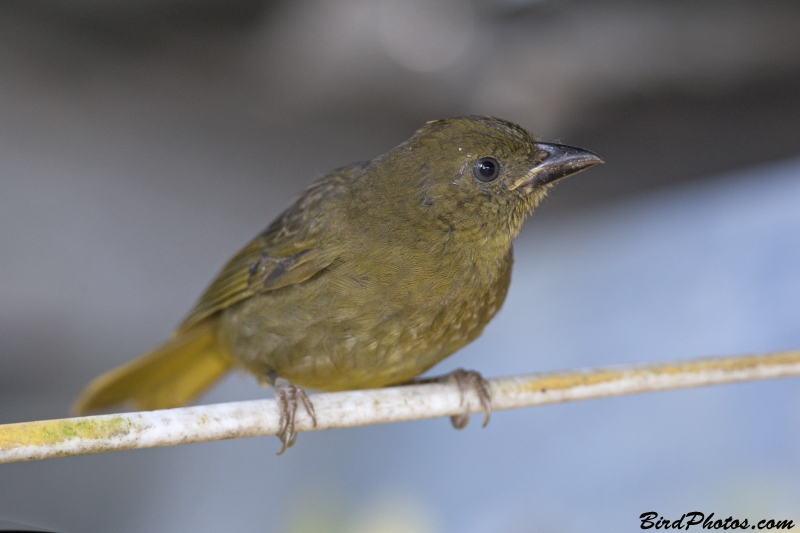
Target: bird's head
[{"x": 472, "y": 178}]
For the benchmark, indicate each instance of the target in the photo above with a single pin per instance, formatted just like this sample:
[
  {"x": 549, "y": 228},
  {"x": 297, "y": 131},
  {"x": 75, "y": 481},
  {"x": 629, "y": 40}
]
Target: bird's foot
[
  {"x": 287, "y": 395},
  {"x": 467, "y": 380}
]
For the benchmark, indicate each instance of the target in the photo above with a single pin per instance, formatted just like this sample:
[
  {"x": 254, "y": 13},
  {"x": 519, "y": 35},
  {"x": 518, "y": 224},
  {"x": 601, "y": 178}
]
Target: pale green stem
[{"x": 93, "y": 434}]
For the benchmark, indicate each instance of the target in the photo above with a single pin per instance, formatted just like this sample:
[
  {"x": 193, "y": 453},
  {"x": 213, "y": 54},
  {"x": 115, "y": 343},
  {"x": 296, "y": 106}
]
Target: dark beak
[{"x": 561, "y": 161}]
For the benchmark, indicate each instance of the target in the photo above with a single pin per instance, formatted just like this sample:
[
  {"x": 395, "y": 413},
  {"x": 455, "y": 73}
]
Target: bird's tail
[{"x": 169, "y": 376}]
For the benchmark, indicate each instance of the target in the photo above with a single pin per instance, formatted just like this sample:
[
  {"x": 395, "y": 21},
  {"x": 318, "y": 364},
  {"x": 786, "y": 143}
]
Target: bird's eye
[{"x": 486, "y": 169}]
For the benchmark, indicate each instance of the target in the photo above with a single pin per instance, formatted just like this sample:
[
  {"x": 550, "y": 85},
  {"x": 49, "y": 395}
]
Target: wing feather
[{"x": 292, "y": 249}]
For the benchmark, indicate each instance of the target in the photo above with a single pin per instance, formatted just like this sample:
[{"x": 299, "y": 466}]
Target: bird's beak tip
[{"x": 561, "y": 161}]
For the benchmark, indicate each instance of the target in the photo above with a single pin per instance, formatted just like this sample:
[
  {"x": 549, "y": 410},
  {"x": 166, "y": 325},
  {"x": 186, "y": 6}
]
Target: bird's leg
[
  {"x": 466, "y": 380},
  {"x": 287, "y": 395}
]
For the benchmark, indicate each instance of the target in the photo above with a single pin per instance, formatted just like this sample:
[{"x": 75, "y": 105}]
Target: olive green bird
[{"x": 377, "y": 272}]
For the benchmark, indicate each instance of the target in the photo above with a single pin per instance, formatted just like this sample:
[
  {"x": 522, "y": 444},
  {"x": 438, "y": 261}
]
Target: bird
[{"x": 375, "y": 273}]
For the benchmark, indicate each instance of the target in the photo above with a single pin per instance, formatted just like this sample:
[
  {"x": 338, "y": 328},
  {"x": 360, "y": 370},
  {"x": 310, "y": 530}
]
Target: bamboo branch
[{"x": 93, "y": 434}]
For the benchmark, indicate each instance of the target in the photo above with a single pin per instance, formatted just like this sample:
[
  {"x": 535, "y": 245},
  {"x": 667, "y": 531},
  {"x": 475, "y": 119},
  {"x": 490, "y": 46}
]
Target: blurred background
[{"x": 142, "y": 143}]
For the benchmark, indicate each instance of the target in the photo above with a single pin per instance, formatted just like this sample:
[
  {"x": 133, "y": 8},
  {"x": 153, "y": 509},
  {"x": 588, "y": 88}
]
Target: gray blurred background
[{"x": 142, "y": 143}]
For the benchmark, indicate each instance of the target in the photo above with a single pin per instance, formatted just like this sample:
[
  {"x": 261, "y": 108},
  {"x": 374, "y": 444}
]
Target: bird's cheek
[{"x": 445, "y": 223}]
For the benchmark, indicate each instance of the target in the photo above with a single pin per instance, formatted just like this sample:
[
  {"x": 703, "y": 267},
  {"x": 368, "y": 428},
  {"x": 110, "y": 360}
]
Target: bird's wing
[{"x": 297, "y": 245}]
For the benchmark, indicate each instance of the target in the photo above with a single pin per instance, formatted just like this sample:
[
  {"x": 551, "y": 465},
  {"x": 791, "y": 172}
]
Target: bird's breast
[{"x": 367, "y": 321}]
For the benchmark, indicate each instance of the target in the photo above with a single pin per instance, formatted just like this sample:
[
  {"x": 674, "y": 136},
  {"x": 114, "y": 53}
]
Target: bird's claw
[
  {"x": 466, "y": 380},
  {"x": 287, "y": 395}
]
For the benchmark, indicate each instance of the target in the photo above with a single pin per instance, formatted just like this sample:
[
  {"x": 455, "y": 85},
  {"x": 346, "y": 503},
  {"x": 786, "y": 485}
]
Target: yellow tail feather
[{"x": 169, "y": 376}]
